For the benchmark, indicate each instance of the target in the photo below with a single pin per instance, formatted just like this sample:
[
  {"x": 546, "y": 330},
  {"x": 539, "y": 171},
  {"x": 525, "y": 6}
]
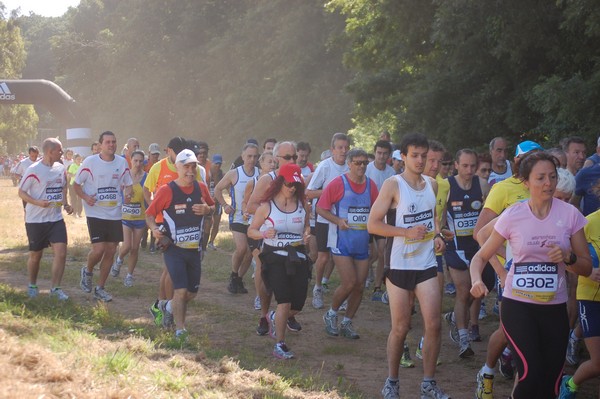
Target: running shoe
[
  {"x": 450, "y": 289},
  {"x": 344, "y": 306},
  {"x": 506, "y": 367},
  {"x": 86, "y": 280},
  {"x": 102, "y": 295},
  {"x": 240, "y": 286},
  {"x": 115, "y": 269},
  {"x": 572, "y": 352},
  {"x": 485, "y": 386},
  {"x": 182, "y": 336},
  {"x": 385, "y": 298},
  {"x": 271, "y": 319},
  {"x": 152, "y": 248},
  {"x": 212, "y": 246},
  {"x": 377, "y": 294},
  {"x": 263, "y": 326},
  {"x": 449, "y": 317},
  {"x": 565, "y": 391},
  {"x": 59, "y": 294},
  {"x": 474, "y": 335},
  {"x": 128, "y": 280},
  {"x": 465, "y": 351},
  {"x": 482, "y": 311},
  {"x": 347, "y": 331},
  {"x": 391, "y": 389},
  {"x": 405, "y": 361},
  {"x": 167, "y": 317},
  {"x": 293, "y": 325},
  {"x": 281, "y": 351},
  {"x": 419, "y": 351},
  {"x": 331, "y": 321},
  {"x": 156, "y": 313},
  {"x": 232, "y": 287},
  {"x": 317, "y": 300},
  {"x": 32, "y": 291},
  {"x": 257, "y": 305},
  {"x": 430, "y": 389}
]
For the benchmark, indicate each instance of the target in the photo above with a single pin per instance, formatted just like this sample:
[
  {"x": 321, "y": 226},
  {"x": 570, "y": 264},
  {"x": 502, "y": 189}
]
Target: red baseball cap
[{"x": 291, "y": 173}]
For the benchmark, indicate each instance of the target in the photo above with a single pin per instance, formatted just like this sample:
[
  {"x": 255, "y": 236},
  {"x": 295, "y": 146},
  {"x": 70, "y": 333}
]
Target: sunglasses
[
  {"x": 290, "y": 185},
  {"x": 359, "y": 163},
  {"x": 288, "y": 157}
]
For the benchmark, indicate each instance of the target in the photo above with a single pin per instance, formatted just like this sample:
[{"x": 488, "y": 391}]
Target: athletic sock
[
  {"x": 332, "y": 312},
  {"x": 169, "y": 307},
  {"x": 324, "y": 280},
  {"x": 572, "y": 386},
  {"x": 488, "y": 370},
  {"x": 463, "y": 334},
  {"x": 346, "y": 319}
]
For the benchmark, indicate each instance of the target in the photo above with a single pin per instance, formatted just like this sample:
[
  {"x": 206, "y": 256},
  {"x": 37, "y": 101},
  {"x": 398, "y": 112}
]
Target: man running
[
  {"x": 98, "y": 182},
  {"x": 43, "y": 188},
  {"x": 236, "y": 180},
  {"x": 408, "y": 201}
]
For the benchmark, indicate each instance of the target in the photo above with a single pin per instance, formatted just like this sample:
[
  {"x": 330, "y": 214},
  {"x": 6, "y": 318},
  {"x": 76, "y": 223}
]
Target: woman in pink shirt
[{"x": 547, "y": 239}]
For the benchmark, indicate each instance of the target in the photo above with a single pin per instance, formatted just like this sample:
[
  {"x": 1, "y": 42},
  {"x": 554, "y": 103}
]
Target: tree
[{"x": 18, "y": 123}]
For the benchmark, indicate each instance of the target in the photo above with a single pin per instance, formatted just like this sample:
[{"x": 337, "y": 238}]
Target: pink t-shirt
[{"x": 532, "y": 277}]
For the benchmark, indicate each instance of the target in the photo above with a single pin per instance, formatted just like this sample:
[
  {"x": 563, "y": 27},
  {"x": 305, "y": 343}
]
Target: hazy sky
[{"x": 47, "y": 8}]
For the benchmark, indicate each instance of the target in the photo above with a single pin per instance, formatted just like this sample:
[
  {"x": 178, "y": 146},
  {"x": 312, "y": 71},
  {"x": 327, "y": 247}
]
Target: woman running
[
  {"x": 282, "y": 222},
  {"x": 133, "y": 220},
  {"x": 546, "y": 238}
]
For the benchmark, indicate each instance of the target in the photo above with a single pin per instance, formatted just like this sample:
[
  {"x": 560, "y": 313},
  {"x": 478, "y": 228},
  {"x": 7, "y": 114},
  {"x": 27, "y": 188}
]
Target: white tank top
[
  {"x": 289, "y": 226},
  {"x": 416, "y": 207},
  {"x": 237, "y": 194}
]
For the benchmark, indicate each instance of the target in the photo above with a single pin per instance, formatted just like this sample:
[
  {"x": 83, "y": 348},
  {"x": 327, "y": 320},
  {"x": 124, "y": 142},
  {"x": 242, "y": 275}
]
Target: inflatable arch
[{"x": 50, "y": 96}]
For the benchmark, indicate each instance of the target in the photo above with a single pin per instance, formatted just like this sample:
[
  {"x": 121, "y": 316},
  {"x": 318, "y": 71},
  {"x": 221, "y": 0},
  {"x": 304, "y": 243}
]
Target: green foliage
[
  {"x": 464, "y": 71},
  {"x": 220, "y": 71},
  {"x": 18, "y": 123}
]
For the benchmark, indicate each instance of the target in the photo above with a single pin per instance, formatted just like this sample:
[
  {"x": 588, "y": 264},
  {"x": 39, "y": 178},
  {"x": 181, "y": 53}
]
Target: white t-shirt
[
  {"x": 326, "y": 171},
  {"x": 44, "y": 182},
  {"x": 379, "y": 176},
  {"x": 105, "y": 180},
  {"x": 23, "y": 165}
]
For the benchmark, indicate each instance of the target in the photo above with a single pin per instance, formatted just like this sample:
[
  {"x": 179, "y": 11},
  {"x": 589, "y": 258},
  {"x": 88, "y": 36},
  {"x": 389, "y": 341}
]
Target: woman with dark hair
[
  {"x": 281, "y": 221},
  {"x": 547, "y": 239}
]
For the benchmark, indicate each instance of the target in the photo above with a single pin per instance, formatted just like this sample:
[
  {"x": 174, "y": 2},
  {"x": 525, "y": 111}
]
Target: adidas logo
[{"x": 5, "y": 93}]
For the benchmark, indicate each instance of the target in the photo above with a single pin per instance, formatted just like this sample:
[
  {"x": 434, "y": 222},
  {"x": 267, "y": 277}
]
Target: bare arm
[
  {"x": 224, "y": 184},
  {"x": 478, "y": 262},
  {"x": 261, "y": 187},
  {"x": 485, "y": 217},
  {"x": 257, "y": 221}
]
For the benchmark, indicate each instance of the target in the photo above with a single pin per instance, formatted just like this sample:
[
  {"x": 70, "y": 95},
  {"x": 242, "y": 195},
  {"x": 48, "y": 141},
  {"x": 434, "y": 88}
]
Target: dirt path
[{"x": 228, "y": 322}]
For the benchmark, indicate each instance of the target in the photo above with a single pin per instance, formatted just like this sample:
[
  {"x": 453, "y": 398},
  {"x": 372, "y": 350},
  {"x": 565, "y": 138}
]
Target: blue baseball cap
[
  {"x": 526, "y": 146},
  {"x": 217, "y": 158}
]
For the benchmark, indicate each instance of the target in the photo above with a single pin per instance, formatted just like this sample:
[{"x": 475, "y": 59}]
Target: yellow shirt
[
  {"x": 155, "y": 172},
  {"x": 442, "y": 196},
  {"x": 588, "y": 290},
  {"x": 506, "y": 193},
  {"x": 136, "y": 208}
]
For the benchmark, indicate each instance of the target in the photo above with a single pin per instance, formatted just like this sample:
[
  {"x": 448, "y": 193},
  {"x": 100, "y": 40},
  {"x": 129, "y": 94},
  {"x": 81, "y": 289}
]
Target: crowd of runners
[{"x": 413, "y": 222}]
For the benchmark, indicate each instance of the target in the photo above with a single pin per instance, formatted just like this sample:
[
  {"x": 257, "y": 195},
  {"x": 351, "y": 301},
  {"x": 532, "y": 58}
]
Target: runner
[
  {"x": 183, "y": 203},
  {"x": 501, "y": 196},
  {"x": 544, "y": 234},
  {"x": 216, "y": 175},
  {"x": 303, "y": 151},
  {"x": 236, "y": 180},
  {"x": 285, "y": 153},
  {"x": 464, "y": 202},
  {"x": 346, "y": 203},
  {"x": 326, "y": 171},
  {"x": 282, "y": 221},
  {"x": 501, "y": 169},
  {"x": 574, "y": 148},
  {"x": 75, "y": 200},
  {"x": 98, "y": 182},
  {"x": 21, "y": 167},
  {"x": 43, "y": 188},
  {"x": 588, "y": 297},
  {"x": 378, "y": 171},
  {"x": 133, "y": 216},
  {"x": 409, "y": 202}
]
